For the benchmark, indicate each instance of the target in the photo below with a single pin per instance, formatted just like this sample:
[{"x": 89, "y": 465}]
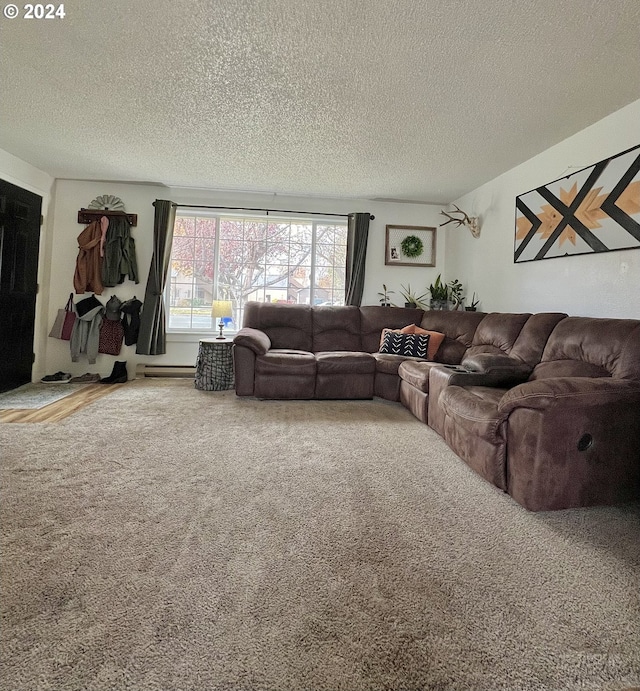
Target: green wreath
[{"x": 412, "y": 246}]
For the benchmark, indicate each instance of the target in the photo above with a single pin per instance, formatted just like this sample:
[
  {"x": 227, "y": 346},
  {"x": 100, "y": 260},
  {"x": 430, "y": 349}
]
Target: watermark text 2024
[{"x": 37, "y": 11}]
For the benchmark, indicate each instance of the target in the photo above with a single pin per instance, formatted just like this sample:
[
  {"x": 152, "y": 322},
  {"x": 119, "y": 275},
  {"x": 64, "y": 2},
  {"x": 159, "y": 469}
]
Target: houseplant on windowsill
[
  {"x": 455, "y": 293},
  {"x": 384, "y": 296},
  {"x": 410, "y": 298},
  {"x": 439, "y": 294},
  {"x": 474, "y": 304}
]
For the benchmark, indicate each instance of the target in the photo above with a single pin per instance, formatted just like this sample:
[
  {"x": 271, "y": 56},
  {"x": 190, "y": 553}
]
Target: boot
[{"x": 118, "y": 374}]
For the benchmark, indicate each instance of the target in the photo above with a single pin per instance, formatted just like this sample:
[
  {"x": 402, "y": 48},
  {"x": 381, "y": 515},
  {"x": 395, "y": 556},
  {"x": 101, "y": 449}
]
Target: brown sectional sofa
[
  {"x": 567, "y": 436},
  {"x": 297, "y": 351},
  {"x": 502, "y": 345},
  {"x": 544, "y": 406}
]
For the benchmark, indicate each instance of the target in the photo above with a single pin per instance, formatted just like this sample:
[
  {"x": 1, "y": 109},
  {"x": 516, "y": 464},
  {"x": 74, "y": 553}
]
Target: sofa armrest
[
  {"x": 572, "y": 441},
  {"x": 481, "y": 373},
  {"x": 502, "y": 365},
  {"x": 254, "y": 339},
  {"x": 244, "y": 367},
  {"x": 582, "y": 392}
]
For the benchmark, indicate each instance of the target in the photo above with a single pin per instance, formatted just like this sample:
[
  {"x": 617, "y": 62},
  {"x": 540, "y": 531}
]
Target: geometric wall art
[{"x": 596, "y": 209}]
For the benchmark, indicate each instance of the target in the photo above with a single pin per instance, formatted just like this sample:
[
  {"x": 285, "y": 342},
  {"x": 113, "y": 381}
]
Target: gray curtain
[
  {"x": 152, "y": 339},
  {"x": 357, "y": 236}
]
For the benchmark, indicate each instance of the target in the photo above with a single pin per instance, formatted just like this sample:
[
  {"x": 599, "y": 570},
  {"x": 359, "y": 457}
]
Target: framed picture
[
  {"x": 596, "y": 209},
  {"x": 410, "y": 246}
]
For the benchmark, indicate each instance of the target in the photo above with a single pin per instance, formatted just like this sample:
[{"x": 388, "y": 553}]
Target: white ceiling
[{"x": 402, "y": 99}]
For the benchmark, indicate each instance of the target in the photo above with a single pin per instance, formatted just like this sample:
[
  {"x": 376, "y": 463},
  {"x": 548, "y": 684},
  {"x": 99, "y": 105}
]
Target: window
[{"x": 219, "y": 262}]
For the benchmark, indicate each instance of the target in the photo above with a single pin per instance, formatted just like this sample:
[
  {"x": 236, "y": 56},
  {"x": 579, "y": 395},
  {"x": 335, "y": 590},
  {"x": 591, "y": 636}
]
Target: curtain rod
[{"x": 278, "y": 211}]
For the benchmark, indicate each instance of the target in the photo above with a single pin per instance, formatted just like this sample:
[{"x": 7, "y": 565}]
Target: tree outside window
[{"x": 238, "y": 258}]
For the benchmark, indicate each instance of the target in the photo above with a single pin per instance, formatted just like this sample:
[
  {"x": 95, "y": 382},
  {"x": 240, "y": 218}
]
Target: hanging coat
[
  {"x": 88, "y": 274},
  {"x": 131, "y": 320},
  {"x": 85, "y": 337},
  {"x": 119, "y": 253}
]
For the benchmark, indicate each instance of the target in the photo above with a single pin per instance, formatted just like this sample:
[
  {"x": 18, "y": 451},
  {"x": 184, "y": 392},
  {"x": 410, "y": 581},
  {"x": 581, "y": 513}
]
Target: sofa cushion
[
  {"x": 287, "y": 326},
  {"x": 389, "y": 364},
  {"x": 373, "y": 319},
  {"x": 284, "y": 361},
  {"x": 497, "y": 333},
  {"x": 435, "y": 337},
  {"x": 595, "y": 344},
  {"x": 416, "y": 373},
  {"x": 336, "y": 328},
  {"x": 345, "y": 363},
  {"x": 458, "y": 327},
  {"x": 530, "y": 344}
]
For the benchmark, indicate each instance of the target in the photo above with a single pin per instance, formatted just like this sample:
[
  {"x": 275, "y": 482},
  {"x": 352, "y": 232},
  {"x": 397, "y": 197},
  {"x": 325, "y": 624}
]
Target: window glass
[{"x": 219, "y": 262}]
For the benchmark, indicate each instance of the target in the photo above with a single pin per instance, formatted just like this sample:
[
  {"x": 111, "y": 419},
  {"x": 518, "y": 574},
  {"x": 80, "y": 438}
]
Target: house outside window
[{"x": 237, "y": 258}]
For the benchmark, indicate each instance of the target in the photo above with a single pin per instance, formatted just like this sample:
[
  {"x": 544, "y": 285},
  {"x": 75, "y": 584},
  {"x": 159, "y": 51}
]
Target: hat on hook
[{"x": 113, "y": 308}]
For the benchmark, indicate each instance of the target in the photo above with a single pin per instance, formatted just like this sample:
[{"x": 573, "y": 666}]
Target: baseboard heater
[{"x": 183, "y": 371}]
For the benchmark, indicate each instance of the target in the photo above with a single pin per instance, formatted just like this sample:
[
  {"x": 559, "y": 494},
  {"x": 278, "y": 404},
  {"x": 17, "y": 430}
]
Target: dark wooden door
[{"x": 19, "y": 243}]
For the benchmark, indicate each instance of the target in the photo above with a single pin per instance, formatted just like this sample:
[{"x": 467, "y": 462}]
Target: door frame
[{"x": 37, "y": 182}]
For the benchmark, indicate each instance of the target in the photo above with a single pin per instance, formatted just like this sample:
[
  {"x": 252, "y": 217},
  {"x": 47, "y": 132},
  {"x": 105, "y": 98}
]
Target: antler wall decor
[{"x": 471, "y": 222}]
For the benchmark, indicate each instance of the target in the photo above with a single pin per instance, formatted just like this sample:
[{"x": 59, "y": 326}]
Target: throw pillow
[
  {"x": 409, "y": 345},
  {"x": 435, "y": 339}
]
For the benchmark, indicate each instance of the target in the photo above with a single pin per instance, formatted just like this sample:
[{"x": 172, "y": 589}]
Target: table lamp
[{"x": 222, "y": 310}]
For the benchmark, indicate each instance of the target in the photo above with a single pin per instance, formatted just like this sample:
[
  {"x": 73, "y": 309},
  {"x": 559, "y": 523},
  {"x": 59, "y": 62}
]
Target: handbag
[
  {"x": 63, "y": 324},
  {"x": 69, "y": 319}
]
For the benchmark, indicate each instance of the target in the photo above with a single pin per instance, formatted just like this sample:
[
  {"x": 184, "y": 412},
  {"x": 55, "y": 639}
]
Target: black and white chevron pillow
[{"x": 414, "y": 345}]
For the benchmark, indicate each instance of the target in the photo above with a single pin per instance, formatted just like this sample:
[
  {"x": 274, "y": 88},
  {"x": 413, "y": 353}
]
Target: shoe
[
  {"x": 118, "y": 374},
  {"x": 57, "y": 378},
  {"x": 87, "y": 378}
]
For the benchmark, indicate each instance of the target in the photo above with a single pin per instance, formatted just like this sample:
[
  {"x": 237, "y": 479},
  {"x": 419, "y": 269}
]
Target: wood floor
[{"x": 59, "y": 410}]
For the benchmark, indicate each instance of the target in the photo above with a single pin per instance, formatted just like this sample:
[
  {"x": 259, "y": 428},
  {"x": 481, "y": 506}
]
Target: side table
[{"x": 214, "y": 365}]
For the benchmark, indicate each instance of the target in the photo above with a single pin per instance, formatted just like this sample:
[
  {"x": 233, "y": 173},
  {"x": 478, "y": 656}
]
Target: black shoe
[
  {"x": 57, "y": 378},
  {"x": 118, "y": 374}
]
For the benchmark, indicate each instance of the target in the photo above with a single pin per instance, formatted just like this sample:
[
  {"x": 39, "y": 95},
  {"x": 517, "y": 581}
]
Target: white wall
[
  {"x": 71, "y": 195},
  {"x": 600, "y": 285},
  {"x": 606, "y": 284},
  {"x": 20, "y": 173}
]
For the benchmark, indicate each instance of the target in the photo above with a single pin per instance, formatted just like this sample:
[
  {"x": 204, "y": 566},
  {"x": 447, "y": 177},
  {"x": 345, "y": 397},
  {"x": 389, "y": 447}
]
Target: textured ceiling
[{"x": 372, "y": 99}]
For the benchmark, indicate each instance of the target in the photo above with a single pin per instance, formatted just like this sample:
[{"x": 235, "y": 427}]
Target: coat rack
[{"x": 89, "y": 215}]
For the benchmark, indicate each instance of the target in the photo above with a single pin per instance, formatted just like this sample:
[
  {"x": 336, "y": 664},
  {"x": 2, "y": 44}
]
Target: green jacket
[{"x": 119, "y": 259}]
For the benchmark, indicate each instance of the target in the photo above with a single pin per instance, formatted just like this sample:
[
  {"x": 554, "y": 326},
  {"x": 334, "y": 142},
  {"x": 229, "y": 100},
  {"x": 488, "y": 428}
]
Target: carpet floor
[{"x": 167, "y": 538}]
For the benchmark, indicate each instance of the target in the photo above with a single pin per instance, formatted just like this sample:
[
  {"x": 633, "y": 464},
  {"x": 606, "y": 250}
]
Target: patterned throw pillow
[
  {"x": 413, "y": 345},
  {"x": 434, "y": 342}
]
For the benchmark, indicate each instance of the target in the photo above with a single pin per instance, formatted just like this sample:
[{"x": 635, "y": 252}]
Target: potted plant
[
  {"x": 410, "y": 298},
  {"x": 439, "y": 294},
  {"x": 474, "y": 304},
  {"x": 455, "y": 293},
  {"x": 384, "y": 296}
]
